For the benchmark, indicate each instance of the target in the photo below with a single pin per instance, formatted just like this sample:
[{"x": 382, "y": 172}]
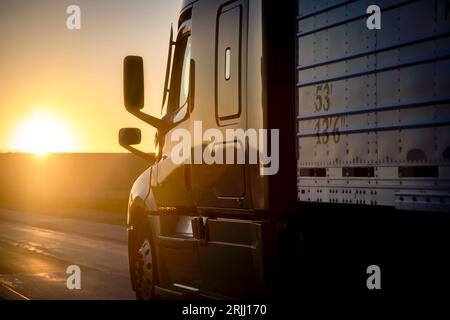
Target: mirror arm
[
  {"x": 153, "y": 121},
  {"x": 148, "y": 157}
]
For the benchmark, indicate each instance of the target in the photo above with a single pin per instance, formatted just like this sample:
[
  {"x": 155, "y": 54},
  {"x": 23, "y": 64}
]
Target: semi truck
[{"x": 362, "y": 144}]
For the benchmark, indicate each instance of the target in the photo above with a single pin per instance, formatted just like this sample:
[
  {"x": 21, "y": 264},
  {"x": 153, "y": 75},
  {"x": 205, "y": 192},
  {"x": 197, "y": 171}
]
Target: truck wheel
[{"x": 145, "y": 267}]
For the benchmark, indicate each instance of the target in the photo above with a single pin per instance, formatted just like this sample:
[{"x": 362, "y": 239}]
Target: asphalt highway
[{"x": 36, "y": 250}]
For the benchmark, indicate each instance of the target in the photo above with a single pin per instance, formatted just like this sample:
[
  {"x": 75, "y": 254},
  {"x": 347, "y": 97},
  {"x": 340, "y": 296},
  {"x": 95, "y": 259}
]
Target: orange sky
[{"x": 74, "y": 78}]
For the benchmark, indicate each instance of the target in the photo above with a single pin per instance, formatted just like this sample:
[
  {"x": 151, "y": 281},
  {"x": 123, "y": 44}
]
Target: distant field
[{"x": 68, "y": 184}]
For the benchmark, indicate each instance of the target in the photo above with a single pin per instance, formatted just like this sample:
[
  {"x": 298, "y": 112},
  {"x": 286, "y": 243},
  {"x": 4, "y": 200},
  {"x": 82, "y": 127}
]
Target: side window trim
[{"x": 176, "y": 82}]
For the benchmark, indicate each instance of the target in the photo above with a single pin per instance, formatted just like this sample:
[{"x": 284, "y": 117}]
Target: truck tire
[{"x": 144, "y": 261}]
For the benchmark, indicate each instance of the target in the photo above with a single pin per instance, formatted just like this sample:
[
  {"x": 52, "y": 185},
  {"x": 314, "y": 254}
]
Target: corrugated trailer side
[{"x": 373, "y": 106}]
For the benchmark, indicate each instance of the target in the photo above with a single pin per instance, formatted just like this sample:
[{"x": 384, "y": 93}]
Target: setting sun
[{"x": 42, "y": 133}]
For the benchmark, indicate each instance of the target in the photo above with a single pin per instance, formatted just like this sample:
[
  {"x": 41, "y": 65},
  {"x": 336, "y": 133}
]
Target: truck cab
[{"x": 205, "y": 225}]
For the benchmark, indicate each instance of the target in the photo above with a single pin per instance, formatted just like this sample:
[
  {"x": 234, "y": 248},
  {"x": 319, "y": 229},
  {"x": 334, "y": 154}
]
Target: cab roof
[{"x": 185, "y": 3}]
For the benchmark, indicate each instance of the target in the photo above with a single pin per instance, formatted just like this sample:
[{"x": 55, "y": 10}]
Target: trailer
[{"x": 373, "y": 105}]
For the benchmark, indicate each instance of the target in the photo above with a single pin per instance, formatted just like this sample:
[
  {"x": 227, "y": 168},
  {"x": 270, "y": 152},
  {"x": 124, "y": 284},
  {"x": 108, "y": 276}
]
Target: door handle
[{"x": 200, "y": 229}]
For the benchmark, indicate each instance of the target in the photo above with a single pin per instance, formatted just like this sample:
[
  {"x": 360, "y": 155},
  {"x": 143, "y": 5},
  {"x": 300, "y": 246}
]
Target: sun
[{"x": 42, "y": 133}]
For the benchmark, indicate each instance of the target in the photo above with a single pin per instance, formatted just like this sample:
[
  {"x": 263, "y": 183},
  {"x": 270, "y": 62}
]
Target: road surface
[{"x": 36, "y": 250}]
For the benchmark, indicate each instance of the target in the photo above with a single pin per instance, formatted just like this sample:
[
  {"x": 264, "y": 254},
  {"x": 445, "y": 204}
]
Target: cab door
[
  {"x": 222, "y": 103},
  {"x": 230, "y": 251}
]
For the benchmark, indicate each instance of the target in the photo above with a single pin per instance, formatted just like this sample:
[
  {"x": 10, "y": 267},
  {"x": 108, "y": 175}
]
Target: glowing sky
[{"x": 75, "y": 77}]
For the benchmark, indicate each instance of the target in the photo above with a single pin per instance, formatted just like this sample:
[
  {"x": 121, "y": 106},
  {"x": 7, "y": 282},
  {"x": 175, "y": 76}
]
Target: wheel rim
[{"x": 144, "y": 270}]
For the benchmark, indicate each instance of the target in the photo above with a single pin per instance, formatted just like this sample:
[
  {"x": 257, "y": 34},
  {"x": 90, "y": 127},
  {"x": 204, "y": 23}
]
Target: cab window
[{"x": 179, "y": 82}]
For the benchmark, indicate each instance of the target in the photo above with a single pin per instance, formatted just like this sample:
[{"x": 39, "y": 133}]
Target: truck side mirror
[
  {"x": 132, "y": 136},
  {"x": 133, "y": 90},
  {"x": 129, "y": 136},
  {"x": 133, "y": 83}
]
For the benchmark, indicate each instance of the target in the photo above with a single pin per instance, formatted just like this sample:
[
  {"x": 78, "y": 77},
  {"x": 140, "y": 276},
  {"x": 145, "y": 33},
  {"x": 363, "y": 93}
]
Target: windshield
[
  {"x": 184, "y": 84},
  {"x": 179, "y": 82}
]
